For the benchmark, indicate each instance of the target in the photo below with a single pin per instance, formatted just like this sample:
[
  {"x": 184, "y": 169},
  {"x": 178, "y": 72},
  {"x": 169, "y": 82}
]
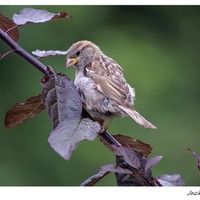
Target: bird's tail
[{"x": 138, "y": 118}]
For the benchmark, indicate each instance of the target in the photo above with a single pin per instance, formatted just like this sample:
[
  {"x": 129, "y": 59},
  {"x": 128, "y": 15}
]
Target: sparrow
[{"x": 100, "y": 81}]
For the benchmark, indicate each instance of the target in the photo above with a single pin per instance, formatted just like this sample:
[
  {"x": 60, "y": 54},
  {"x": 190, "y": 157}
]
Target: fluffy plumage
[{"x": 104, "y": 90}]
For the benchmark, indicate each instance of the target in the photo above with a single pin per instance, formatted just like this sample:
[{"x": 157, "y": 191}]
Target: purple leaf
[
  {"x": 152, "y": 161},
  {"x": 42, "y": 54},
  {"x": 94, "y": 179},
  {"x": 61, "y": 97},
  {"x": 129, "y": 156},
  {"x": 66, "y": 136},
  {"x": 112, "y": 168},
  {"x": 29, "y": 15},
  {"x": 171, "y": 180},
  {"x": 65, "y": 109},
  {"x": 106, "y": 169}
]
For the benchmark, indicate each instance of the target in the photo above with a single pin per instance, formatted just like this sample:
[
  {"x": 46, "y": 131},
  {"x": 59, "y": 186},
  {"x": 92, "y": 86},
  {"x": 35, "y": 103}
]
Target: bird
[{"x": 104, "y": 91}]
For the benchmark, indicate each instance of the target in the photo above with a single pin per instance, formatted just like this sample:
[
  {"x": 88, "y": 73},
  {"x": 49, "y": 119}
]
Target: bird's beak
[{"x": 72, "y": 61}]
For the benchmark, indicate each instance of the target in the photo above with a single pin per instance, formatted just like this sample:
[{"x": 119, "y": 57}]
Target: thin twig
[
  {"x": 19, "y": 50},
  {"x": 7, "y": 53},
  {"x": 107, "y": 136}
]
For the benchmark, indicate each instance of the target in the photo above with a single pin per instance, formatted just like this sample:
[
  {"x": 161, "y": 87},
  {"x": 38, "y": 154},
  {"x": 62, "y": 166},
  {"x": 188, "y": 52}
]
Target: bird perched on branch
[{"x": 100, "y": 81}]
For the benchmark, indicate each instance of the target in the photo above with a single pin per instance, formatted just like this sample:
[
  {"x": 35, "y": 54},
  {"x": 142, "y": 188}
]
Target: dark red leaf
[
  {"x": 126, "y": 141},
  {"x": 20, "y": 112},
  {"x": 7, "y": 24}
]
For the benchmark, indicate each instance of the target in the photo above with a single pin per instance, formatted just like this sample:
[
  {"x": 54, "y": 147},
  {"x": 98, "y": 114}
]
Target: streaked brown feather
[
  {"x": 137, "y": 117},
  {"x": 109, "y": 81}
]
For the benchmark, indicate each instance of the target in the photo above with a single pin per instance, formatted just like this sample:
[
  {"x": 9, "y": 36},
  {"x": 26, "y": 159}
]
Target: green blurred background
[{"x": 158, "y": 47}]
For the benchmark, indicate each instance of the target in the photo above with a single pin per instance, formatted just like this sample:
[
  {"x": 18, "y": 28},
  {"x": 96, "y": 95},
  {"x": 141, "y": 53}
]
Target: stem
[
  {"x": 110, "y": 139},
  {"x": 19, "y": 50},
  {"x": 7, "y": 53}
]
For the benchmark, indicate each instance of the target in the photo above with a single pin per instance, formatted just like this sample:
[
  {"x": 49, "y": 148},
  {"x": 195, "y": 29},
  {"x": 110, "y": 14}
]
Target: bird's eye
[{"x": 78, "y": 53}]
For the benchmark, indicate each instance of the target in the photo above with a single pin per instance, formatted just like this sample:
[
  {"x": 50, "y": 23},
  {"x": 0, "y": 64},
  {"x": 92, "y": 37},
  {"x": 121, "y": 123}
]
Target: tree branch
[{"x": 19, "y": 50}]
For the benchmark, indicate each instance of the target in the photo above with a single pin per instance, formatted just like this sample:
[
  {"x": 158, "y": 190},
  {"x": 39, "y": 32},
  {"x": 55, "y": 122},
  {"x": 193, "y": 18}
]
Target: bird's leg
[{"x": 104, "y": 128}]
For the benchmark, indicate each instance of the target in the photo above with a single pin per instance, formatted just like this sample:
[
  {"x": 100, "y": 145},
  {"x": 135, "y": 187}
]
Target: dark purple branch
[
  {"x": 107, "y": 136},
  {"x": 110, "y": 139},
  {"x": 19, "y": 50}
]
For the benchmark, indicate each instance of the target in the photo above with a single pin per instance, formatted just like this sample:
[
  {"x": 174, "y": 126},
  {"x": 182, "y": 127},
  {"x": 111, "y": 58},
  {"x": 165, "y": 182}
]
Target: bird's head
[{"x": 82, "y": 53}]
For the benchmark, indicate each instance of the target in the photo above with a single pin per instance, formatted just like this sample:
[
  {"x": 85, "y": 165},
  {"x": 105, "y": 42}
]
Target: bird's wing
[{"x": 110, "y": 81}]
